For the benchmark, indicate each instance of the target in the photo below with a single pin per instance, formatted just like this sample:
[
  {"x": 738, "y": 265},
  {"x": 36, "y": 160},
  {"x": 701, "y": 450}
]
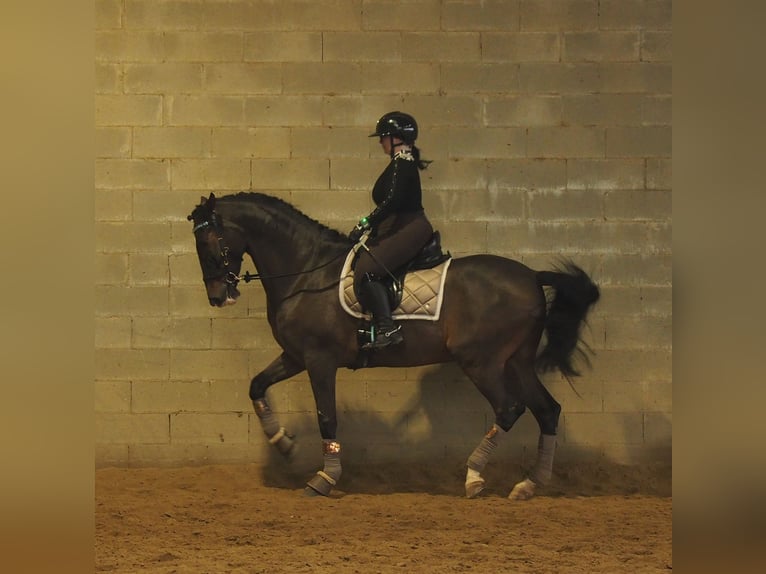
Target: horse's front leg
[
  {"x": 283, "y": 367},
  {"x": 322, "y": 374}
]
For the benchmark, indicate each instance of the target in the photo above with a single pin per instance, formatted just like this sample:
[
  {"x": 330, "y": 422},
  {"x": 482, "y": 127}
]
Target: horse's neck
[{"x": 278, "y": 244}]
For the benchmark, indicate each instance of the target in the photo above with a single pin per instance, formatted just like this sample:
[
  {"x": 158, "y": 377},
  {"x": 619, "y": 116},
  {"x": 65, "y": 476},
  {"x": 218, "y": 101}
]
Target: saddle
[{"x": 415, "y": 288}]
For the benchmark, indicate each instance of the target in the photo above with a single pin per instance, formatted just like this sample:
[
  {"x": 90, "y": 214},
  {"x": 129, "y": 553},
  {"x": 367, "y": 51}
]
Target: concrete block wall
[{"x": 549, "y": 123}]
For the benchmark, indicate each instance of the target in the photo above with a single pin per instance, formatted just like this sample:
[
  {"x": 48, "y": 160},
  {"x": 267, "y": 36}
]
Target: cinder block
[
  {"x": 597, "y": 429},
  {"x": 282, "y": 46},
  {"x": 243, "y": 78},
  {"x": 113, "y": 142},
  {"x": 566, "y": 142},
  {"x": 355, "y": 174},
  {"x": 321, "y": 78},
  {"x": 114, "y": 428},
  {"x": 328, "y": 142},
  {"x": 659, "y": 173},
  {"x": 638, "y": 205},
  {"x": 487, "y": 15},
  {"x": 635, "y": 14},
  {"x": 358, "y": 46},
  {"x": 388, "y": 15},
  {"x": 587, "y": 396},
  {"x": 115, "y": 364},
  {"x": 148, "y": 269},
  {"x": 207, "y": 365},
  {"x": 560, "y": 78},
  {"x": 639, "y": 77},
  {"x": 191, "y": 301},
  {"x": 110, "y": 455},
  {"x": 113, "y": 205},
  {"x": 205, "y": 110},
  {"x": 108, "y": 78},
  {"x": 128, "y": 110},
  {"x": 523, "y": 111},
  {"x": 464, "y": 237},
  {"x": 272, "y": 143},
  {"x": 214, "y": 174},
  {"x": 639, "y": 333},
  {"x": 171, "y": 142},
  {"x": 112, "y": 396},
  {"x": 236, "y": 333},
  {"x": 441, "y": 47},
  {"x": 601, "y": 46},
  {"x": 200, "y": 428},
  {"x": 326, "y": 15},
  {"x": 129, "y": 46},
  {"x": 657, "y": 111},
  {"x": 132, "y": 174},
  {"x": 568, "y": 204},
  {"x": 657, "y": 300},
  {"x": 658, "y": 397},
  {"x": 487, "y": 142},
  {"x": 559, "y": 15},
  {"x": 434, "y": 111},
  {"x": 290, "y": 174},
  {"x": 658, "y": 428},
  {"x": 637, "y": 269},
  {"x": 161, "y": 78},
  {"x": 170, "y": 397},
  {"x": 117, "y": 301},
  {"x": 605, "y": 174},
  {"x": 200, "y": 46},
  {"x": 480, "y": 205},
  {"x": 621, "y": 397},
  {"x": 111, "y": 268},
  {"x": 603, "y": 109},
  {"x": 124, "y": 237},
  {"x": 148, "y": 15},
  {"x": 656, "y": 46},
  {"x": 112, "y": 332},
  {"x": 171, "y": 333},
  {"x": 167, "y": 206},
  {"x": 230, "y": 396},
  {"x": 527, "y": 174},
  {"x": 456, "y": 174},
  {"x": 283, "y": 111},
  {"x": 420, "y": 78},
  {"x": 520, "y": 47},
  {"x": 639, "y": 142},
  {"x": 479, "y": 78}
]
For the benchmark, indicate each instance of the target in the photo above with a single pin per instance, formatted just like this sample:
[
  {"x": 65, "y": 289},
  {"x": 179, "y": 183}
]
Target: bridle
[
  {"x": 232, "y": 278},
  {"x": 229, "y": 277}
]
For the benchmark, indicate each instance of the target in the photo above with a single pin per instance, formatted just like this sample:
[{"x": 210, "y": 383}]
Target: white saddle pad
[{"x": 422, "y": 293}]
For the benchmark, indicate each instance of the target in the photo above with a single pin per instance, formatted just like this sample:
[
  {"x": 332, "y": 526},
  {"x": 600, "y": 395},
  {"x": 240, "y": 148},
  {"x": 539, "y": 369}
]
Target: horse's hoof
[
  {"x": 474, "y": 488},
  {"x": 318, "y": 485},
  {"x": 523, "y": 490},
  {"x": 310, "y": 492}
]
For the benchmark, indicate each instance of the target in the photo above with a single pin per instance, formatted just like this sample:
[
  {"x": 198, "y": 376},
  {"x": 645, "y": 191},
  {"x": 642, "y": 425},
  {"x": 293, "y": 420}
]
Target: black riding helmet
[{"x": 397, "y": 124}]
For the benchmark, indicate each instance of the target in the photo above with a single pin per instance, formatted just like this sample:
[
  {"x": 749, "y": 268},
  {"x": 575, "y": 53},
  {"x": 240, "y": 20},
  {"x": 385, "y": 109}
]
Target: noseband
[{"x": 229, "y": 277}]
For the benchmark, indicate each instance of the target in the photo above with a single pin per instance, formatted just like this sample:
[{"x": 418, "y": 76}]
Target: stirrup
[{"x": 385, "y": 339}]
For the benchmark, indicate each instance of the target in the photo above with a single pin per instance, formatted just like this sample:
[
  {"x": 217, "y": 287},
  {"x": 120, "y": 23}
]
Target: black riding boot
[{"x": 375, "y": 299}]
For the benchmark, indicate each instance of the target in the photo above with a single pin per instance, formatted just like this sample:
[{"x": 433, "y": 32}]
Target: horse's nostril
[{"x": 215, "y": 301}]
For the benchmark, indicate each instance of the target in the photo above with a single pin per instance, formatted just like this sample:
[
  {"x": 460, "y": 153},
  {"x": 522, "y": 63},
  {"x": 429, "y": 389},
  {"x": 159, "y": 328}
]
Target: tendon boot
[{"x": 375, "y": 299}]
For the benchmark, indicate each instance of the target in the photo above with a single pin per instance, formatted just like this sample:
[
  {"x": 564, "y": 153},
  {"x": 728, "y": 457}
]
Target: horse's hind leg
[
  {"x": 546, "y": 411},
  {"x": 280, "y": 369},
  {"x": 493, "y": 385}
]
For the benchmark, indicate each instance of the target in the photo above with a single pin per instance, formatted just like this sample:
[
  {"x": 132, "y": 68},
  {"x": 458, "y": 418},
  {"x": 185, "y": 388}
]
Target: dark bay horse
[{"x": 494, "y": 314}]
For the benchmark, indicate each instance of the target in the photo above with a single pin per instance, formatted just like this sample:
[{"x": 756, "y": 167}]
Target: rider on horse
[{"x": 398, "y": 225}]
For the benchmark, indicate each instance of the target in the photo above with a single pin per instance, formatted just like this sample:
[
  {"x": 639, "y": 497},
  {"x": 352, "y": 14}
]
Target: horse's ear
[{"x": 211, "y": 201}]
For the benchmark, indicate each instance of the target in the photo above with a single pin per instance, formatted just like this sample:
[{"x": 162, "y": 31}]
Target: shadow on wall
[{"x": 423, "y": 445}]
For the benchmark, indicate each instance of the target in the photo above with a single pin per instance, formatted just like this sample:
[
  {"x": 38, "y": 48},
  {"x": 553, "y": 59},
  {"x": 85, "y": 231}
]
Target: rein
[
  {"x": 247, "y": 277},
  {"x": 232, "y": 278}
]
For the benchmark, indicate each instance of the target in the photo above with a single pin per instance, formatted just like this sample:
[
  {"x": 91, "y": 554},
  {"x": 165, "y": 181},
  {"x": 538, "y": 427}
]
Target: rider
[{"x": 399, "y": 227}]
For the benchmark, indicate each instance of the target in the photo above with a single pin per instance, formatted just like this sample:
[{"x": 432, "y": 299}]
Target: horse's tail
[{"x": 573, "y": 297}]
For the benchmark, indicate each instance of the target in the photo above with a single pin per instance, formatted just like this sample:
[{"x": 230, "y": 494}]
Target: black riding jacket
[{"x": 397, "y": 190}]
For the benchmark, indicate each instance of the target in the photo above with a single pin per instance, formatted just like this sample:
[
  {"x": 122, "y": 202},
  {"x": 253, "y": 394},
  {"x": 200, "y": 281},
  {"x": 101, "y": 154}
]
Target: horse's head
[{"x": 220, "y": 249}]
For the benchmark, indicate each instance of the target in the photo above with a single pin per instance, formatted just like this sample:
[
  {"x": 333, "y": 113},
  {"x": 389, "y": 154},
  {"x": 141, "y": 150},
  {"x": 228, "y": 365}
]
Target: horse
[{"x": 494, "y": 314}]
